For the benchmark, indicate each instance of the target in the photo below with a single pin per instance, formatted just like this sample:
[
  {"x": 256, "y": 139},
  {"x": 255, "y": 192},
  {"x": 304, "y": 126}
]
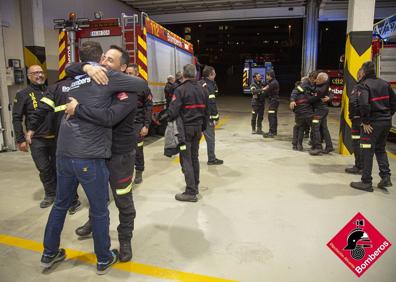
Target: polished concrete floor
[{"x": 265, "y": 215}]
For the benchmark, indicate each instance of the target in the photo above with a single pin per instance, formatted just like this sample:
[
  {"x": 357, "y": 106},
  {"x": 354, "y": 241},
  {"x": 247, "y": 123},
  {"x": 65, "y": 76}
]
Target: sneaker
[
  {"x": 103, "y": 268},
  {"x": 315, "y": 152},
  {"x": 216, "y": 162},
  {"x": 47, "y": 202},
  {"x": 269, "y": 135},
  {"x": 327, "y": 150},
  {"x": 85, "y": 230},
  {"x": 138, "y": 177},
  {"x": 125, "y": 251},
  {"x": 353, "y": 170},
  {"x": 362, "y": 186},
  {"x": 75, "y": 207},
  {"x": 186, "y": 197},
  {"x": 384, "y": 183},
  {"x": 48, "y": 261}
]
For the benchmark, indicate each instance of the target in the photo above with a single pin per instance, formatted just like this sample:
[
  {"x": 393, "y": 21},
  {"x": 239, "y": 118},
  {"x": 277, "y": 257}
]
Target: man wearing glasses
[{"x": 43, "y": 144}]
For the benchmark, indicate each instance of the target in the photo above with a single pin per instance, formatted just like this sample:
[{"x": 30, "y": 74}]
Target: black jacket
[
  {"x": 144, "y": 109},
  {"x": 168, "y": 91},
  {"x": 320, "y": 91},
  {"x": 272, "y": 92},
  {"x": 26, "y": 103},
  {"x": 256, "y": 88},
  {"x": 80, "y": 138},
  {"x": 190, "y": 102},
  {"x": 53, "y": 101},
  {"x": 301, "y": 97},
  {"x": 212, "y": 90},
  {"x": 353, "y": 106},
  {"x": 377, "y": 101}
]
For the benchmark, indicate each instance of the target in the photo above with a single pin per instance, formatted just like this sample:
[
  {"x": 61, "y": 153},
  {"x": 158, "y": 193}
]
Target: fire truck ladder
[
  {"x": 128, "y": 25},
  {"x": 386, "y": 28}
]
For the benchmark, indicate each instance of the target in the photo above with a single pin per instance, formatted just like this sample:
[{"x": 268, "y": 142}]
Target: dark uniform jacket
[
  {"x": 257, "y": 92},
  {"x": 301, "y": 97},
  {"x": 353, "y": 106},
  {"x": 168, "y": 91},
  {"x": 190, "y": 102},
  {"x": 377, "y": 100},
  {"x": 320, "y": 91},
  {"x": 80, "y": 138},
  {"x": 272, "y": 92},
  {"x": 144, "y": 108},
  {"x": 26, "y": 103},
  {"x": 212, "y": 90}
]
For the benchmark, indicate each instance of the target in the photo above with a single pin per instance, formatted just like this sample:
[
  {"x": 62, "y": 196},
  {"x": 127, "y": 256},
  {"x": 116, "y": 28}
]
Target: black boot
[
  {"x": 259, "y": 130},
  {"x": 385, "y": 182},
  {"x": 184, "y": 197},
  {"x": 300, "y": 147},
  {"x": 315, "y": 152},
  {"x": 85, "y": 230},
  {"x": 125, "y": 251},
  {"x": 138, "y": 177},
  {"x": 353, "y": 170},
  {"x": 269, "y": 135},
  {"x": 362, "y": 186},
  {"x": 47, "y": 202}
]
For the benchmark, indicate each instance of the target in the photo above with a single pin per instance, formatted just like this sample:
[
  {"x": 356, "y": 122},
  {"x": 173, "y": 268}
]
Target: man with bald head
[{"x": 43, "y": 144}]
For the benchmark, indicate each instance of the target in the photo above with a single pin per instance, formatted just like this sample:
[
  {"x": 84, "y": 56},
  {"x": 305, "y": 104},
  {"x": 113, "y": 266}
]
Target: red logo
[
  {"x": 359, "y": 244},
  {"x": 122, "y": 96}
]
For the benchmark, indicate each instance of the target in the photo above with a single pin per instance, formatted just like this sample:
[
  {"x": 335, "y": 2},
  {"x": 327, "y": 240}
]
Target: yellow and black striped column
[
  {"x": 62, "y": 53},
  {"x": 142, "y": 54},
  {"x": 35, "y": 55},
  {"x": 357, "y": 51},
  {"x": 245, "y": 78}
]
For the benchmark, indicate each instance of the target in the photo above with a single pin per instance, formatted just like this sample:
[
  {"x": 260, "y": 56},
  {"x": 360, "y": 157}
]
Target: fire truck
[
  {"x": 250, "y": 68},
  {"x": 157, "y": 51}
]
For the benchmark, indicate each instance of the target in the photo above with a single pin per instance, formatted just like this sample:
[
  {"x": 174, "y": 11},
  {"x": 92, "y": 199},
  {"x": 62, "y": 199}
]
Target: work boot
[
  {"x": 315, "y": 152},
  {"x": 125, "y": 251},
  {"x": 48, "y": 261},
  {"x": 103, "y": 268},
  {"x": 269, "y": 135},
  {"x": 385, "y": 182},
  {"x": 327, "y": 150},
  {"x": 85, "y": 230},
  {"x": 300, "y": 148},
  {"x": 294, "y": 147},
  {"x": 75, "y": 207},
  {"x": 216, "y": 162},
  {"x": 253, "y": 130},
  {"x": 362, "y": 186},
  {"x": 259, "y": 131},
  {"x": 47, "y": 202},
  {"x": 353, "y": 170},
  {"x": 138, "y": 177},
  {"x": 184, "y": 197}
]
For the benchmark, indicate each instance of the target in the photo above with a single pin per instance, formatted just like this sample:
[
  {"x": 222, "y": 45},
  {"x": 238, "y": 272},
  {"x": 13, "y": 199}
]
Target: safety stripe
[
  {"x": 253, "y": 112},
  {"x": 142, "y": 43},
  {"x": 60, "y": 108},
  {"x": 355, "y": 137},
  {"x": 124, "y": 180},
  {"x": 124, "y": 190},
  {"x": 195, "y": 106},
  {"x": 365, "y": 146},
  {"x": 48, "y": 101},
  {"x": 183, "y": 148},
  {"x": 299, "y": 88},
  {"x": 244, "y": 79},
  {"x": 380, "y": 98},
  {"x": 62, "y": 54},
  {"x": 214, "y": 117},
  {"x": 355, "y": 130},
  {"x": 140, "y": 144},
  {"x": 315, "y": 121},
  {"x": 212, "y": 96},
  {"x": 271, "y": 112},
  {"x": 204, "y": 85},
  {"x": 301, "y": 101},
  {"x": 143, "y": 73},
  {"x": 252, "y": 87},
  {"x": 142, "y": 58}
]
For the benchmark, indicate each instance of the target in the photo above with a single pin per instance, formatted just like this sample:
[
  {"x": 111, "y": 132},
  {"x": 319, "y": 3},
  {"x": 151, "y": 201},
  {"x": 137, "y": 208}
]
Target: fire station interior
[{"x": 268, "y": 213}]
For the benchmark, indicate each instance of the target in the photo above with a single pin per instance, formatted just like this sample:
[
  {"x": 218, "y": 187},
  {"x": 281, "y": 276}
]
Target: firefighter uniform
[
  {"x": 143, "y": 119},
  {"x": 43, "y": 146},
  {"x": 272, "y": 92},
  {"x": 258, "y": 104},
  {"x": 209, "y": 133},
  {"x": 377, "y": 104},
  {"x": 303, "y": 115},
  {"x": 190, "y": 102}
]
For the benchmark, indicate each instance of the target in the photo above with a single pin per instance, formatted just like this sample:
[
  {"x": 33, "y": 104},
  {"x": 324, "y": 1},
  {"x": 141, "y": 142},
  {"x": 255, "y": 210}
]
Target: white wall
[{"x": 84, "y": 8}]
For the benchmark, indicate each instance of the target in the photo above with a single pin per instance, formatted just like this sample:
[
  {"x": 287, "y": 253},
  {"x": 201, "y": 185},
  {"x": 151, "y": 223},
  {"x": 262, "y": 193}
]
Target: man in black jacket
[
  {"x": 210, "y": 85},
  {"x": 81, "y": 152},
  {"x": 43, "y": 145},
  {"x": 377, "y": 104},
  {"x": 354, "y": 116},
  {"x": 169, "y": 88},
  {"x": 271, "y": 91},
  {"x": 190, "y": 102},
  {"x": 258, "y": 104}
]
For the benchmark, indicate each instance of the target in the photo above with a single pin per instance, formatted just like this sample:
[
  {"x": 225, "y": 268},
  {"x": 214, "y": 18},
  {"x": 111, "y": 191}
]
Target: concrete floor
[{"x": 265, "y": 215}]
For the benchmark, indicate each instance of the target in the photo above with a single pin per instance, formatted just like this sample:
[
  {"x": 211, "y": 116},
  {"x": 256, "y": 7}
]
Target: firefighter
[
  {"x": 354, "y": 116},
  {"x": 210, "y": 85},
  {"x": 121, "y": 116},
  {"x": 169, "y": 88},
  {"x": 43, "y": 145},
  {"x": 300, "y": 104},
  {"x": 271, "y": 90},
  {"x": 53, "y": 101},
  {"x": 190, "y": 102},
  {"x": 258, "y": 103},
  {"x": 319, "y": 119},
  {"x": 377, "y": 104}
]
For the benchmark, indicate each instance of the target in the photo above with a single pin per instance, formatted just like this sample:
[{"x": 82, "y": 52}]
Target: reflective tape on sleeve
[
  {"x": 183, "y": 148},
  {"x": 125, "y": 190},
  {"x": 212, "y": 96},
  {"x": 315, "y": 121},
  {"x": 140, "y": 144},
  {"x": 355, "y": 137},
  {"x": 48, "y": 101},
  {"x": 365, "y": 146},
  {"x": 60, "y": 108},
  {"x": 300, "y": 89},
  {"x": 214, "y": 117},
  {"x": 271, "y": 112},
  {"x": 253, "y": 112}
]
